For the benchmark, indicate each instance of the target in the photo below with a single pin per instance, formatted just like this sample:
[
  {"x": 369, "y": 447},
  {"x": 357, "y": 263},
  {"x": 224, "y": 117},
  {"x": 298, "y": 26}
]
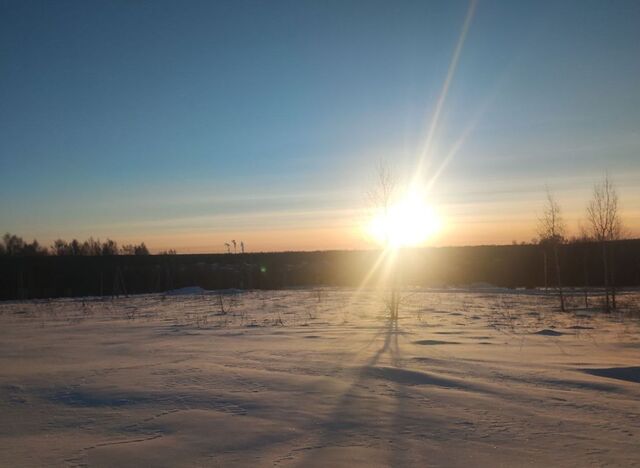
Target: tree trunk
[
  {"x": 546, "y": 284},
  {"x": 558, "y": 279},
  {"x": 613, "y": 280},
  {"x": 586, "y": 281},
  {"x": 606, "y": 276},
  {"x": 395, "y": 294}
]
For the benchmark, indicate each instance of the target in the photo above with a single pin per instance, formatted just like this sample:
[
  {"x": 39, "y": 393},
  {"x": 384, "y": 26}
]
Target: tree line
[{"x": 15, "y": 246}]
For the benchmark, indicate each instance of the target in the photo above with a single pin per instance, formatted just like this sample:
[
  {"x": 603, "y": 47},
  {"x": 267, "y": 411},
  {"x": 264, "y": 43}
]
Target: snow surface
[{"x": 318, "y": 378}]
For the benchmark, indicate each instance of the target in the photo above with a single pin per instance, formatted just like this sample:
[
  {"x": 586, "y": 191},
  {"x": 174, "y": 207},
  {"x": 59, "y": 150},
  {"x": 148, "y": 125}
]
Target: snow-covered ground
[{"x": 318, "y": 378}]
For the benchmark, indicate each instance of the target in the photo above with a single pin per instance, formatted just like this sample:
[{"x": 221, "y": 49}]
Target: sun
[{"x": 409, "y": 222}]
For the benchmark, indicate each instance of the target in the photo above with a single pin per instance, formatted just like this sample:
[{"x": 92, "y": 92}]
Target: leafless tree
[
  {"x": 384, "y": 188},
  {"x": 235, "y": 250},
  {"x": 381, "y": 197},
  {"x": 92, "y": 247},
  {"x": 551, "y": 230},
  {"x": 13, "y": 245},
  {"x": 135, "y": 249},
  {"x": 128, "y": 249},
  {"x": 109, "y": 247},
  {"x": 606, "y": 226},
  {"x": 228, "y": 246}
]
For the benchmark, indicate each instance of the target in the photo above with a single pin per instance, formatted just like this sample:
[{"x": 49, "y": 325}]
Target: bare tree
[
  {"x": 383, "y": 191},
  {"x": 13, "y": 245},
  {"x": 235, "y": 250},
  {"x": 605, "y": 225},
  {"x": 242, "y": 246},
  {"x": 128, "y": 249},
  {"x": 381, "y": 196},
  {"x": 228, "y": 246},
  {"x": 551, "y": 230},
  {"x": 135, "y": 249},
  {"x": 109, "y": 247},
  {"x": 92, "y": 247}
]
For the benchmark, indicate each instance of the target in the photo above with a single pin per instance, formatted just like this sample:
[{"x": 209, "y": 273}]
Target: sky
[{"x": 187, "y": 124}]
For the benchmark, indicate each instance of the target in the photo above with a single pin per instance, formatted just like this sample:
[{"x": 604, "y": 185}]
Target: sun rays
[
  {"x": 411, "y": 220},
  {"x": 423, "y": 160}
]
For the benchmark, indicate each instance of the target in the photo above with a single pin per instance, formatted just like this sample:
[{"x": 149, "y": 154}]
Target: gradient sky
[{"x": 185, "y": 124}]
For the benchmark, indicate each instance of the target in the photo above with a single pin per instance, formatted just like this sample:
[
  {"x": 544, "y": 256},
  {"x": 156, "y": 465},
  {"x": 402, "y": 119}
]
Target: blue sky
[{"x": 186, "y": 124}]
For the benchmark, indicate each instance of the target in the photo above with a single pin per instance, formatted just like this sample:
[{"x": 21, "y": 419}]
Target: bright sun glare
[{"x": 407, "y": 223}]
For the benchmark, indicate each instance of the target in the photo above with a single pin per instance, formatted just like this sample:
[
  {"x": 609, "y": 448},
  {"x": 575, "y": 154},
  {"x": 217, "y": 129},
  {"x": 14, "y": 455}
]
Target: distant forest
[
  {"x": 15, "y": 246},
  {"x": 28, "y": 276}
]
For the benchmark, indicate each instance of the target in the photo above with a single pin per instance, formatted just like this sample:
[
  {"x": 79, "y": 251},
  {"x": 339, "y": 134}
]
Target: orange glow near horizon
[{"x": 479, "y": 223}]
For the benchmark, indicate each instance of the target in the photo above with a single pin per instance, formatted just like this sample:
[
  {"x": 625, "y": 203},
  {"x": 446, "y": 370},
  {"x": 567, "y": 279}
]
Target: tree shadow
[{"x": 356, "y": 417}]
